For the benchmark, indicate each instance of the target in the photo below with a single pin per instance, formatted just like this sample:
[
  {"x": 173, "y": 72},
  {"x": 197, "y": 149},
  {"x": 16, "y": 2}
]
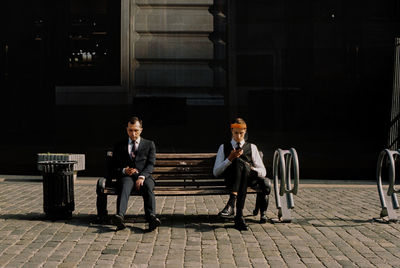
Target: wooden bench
[{"x": 175, "y": 175}]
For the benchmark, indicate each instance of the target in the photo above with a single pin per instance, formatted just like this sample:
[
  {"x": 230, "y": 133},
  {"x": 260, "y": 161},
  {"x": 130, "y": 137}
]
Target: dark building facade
[{"x": 313, "y": 75}]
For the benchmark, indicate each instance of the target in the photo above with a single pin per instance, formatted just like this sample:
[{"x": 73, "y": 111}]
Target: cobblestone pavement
[{"x": 333, "y": 228}]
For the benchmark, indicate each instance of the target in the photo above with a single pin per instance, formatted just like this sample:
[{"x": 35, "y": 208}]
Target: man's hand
[
  {"x": 129, "y": 171},
  {"x": 235, "y": 154},
  {"x": 139, "y": 183}
]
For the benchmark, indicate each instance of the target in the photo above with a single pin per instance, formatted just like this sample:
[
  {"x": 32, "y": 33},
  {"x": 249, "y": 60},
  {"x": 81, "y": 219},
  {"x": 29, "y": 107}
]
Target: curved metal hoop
[
  {"x": 279, "y": 171},
  {"x": 283, "y": 163},
  {"x": 392, "y": 174},
  {"x": 292, "y": 161},
  {"x": 276, "y": 168},
  {"x": 392, "y": 184}
]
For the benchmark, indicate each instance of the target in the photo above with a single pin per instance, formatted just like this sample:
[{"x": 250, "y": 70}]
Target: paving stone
[
  {"x": 84, "y": 264},
  {"x": 68, "y": 264},
  {"x": 327, "y": 232},
  {"x": 52, "y": 264},
  {"x": 210, "y": 265}
]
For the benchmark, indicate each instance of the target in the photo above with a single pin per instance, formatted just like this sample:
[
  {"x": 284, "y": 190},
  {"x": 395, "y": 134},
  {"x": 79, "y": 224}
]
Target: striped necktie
[{"x": 133, "y": 152}]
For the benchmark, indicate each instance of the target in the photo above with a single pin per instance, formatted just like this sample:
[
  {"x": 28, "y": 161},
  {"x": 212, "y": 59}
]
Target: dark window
[
  {"x": 255, "y": 70},
  {"x": 93, "y": 47}
]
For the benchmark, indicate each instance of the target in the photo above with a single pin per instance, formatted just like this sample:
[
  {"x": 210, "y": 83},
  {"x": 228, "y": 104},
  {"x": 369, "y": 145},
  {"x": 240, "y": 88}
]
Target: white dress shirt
[
  {"x": 222, "y": 161},
  {"x": 131, "y": 147}
]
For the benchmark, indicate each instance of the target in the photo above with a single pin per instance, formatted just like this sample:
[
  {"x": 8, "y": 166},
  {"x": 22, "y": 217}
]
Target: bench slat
[
  {"x": 182, "y": 170},
  {"x": 190, "y": 183},
  {"x": 176, "y": 191},
  {"x": 184, "y": 162},
  {"x": 185, "y": 156},
  {"x": 185, "y": 176}
]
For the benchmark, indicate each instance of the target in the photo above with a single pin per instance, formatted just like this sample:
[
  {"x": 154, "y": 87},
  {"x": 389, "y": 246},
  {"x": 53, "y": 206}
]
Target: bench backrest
[
  {"x": 186, "y": 170},
  {"x": 182, "y": 170}
]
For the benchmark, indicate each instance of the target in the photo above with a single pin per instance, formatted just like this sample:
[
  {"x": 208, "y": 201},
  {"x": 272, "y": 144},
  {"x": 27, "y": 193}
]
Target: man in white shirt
[{"x": 240, "y": 164}]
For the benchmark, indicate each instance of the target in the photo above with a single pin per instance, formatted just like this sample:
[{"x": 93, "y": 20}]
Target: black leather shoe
[
  {"x": 227, "y": 211},
  {"x": 154, "y": 222},
  {"x": 118, "y": 220},
  {"x": 263, "y": 217},
  {"x": 240, "y": 224}
]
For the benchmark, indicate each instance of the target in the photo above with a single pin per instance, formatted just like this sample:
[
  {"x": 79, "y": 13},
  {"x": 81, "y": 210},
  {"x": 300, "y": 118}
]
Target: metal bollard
[
  {"x": 284, "y": 162},
  {"x": 389, "y": 200}
]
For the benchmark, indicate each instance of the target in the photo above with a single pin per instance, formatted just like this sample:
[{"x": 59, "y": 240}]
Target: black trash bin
[{"x": 58, "y": 189}]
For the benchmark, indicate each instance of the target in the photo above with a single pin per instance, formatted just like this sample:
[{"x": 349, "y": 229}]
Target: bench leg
[
  {"x": 257, "y": 207},
  {"x": 262, "y": 201},
  {"x": 101, "y": 204}
]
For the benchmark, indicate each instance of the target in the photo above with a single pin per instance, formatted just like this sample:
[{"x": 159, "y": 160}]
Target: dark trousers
[
  {"x": 125, "y": 186},
  {"x": 239, "y": 177}
]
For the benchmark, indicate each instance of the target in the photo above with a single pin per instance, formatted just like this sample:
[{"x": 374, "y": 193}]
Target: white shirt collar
[
  {"x": 233, "y": 142},
  {"x": 137, "y": 141}
]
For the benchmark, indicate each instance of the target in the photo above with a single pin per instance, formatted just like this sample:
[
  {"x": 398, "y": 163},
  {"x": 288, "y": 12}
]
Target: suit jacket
[{"x": 143, "y": 162}]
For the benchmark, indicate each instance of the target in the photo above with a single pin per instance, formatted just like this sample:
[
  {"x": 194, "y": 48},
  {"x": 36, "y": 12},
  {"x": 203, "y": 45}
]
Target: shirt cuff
[
  {"x": 226, "y": 162},
  {"x": 123, "y": 171},
  {"x": 260, "y": 172},
  {"x": 142, "y": 177}
]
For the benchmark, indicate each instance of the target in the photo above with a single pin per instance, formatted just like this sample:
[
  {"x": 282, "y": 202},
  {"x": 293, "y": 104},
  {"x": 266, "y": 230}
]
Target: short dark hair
[
  {"x": 238, "y": 120},
  {"x": 135, "y": 119}
]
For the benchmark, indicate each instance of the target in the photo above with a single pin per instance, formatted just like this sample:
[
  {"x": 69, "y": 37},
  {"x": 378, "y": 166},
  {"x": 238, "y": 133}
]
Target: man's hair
[
  {"x": 238, "y": 120},
  {"x": 135, "y": 119}
]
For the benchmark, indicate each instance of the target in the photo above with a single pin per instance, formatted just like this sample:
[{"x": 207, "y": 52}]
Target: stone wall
[{"x": 178, "y": 48}]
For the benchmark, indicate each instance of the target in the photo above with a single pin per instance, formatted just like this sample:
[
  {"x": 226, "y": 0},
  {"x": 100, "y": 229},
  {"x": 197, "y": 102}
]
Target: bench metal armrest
[{"x": 101, "y": 185}]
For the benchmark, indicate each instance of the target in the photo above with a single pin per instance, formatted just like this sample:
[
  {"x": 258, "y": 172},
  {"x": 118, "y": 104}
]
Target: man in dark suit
[{"x": 133, "y": 162}]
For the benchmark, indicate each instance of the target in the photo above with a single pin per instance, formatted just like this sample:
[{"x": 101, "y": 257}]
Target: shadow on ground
[
  {"x": 199, "y": 222},
  {"x": 332, "y": 222}
]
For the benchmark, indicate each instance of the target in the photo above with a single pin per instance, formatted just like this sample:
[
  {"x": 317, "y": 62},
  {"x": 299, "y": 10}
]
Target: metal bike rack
[
  {"x": 284, "y": 162},
  {"x": 389, "y": 200}
]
